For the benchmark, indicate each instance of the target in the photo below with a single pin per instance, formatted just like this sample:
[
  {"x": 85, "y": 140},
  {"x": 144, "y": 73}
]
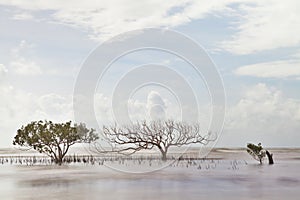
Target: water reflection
[{"x": 182, "y": 181}]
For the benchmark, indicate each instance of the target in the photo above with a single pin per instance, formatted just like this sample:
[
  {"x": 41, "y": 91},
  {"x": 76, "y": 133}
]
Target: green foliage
[
  {"x": 256, "y": 151},
  {"x": 86, "y": 135},
  {"x": 53, "y": 139}
]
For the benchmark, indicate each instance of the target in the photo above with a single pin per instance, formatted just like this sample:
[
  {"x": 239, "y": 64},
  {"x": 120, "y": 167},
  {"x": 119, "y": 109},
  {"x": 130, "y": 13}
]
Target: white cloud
[
  {"x": 137, "y": 110},
  {"x": 259, "y": 25},
  {"x": 265, "y": 25},
  {"x": 265, "y": 115},
  {"x": 153, "y": 108},
  {"x": 23, "y": 63},
  {"x": 156, "y": 106},
  {"x": 102, "y": 108},
  {"x": 3, "y": 70},
  {"x": 23, "y": 47},
  {"x": 23, "y": 16},
  {"x": 275, "y": 69},
  {"x": 56, "y": 105},
  {"x": 121, "y": 16},
  {"x": 262, "y": 113},
  {"x": 18, "y": 108},
  {"x": 105, "y": 19},
  {"x": 25, "y": 67}
]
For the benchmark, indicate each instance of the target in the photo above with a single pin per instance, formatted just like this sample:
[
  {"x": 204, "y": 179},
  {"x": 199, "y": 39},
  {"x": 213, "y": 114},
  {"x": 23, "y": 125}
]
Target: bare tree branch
[{"x": 156, "y": 134}]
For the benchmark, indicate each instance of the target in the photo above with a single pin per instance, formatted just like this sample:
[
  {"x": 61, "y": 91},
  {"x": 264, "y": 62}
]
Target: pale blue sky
[{"x": 255, "y": 46}]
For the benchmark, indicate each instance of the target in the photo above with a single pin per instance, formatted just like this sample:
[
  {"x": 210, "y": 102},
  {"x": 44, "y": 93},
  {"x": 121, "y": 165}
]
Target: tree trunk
[
  {"x": 164, "y": 155},
  {"x": 270, "y": 157},
  {"x": 60, "y": 161},
  {"x": 60, "y": 156}
]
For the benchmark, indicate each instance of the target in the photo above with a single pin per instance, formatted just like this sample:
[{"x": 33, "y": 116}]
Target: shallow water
[{"x": 221, "y": 179}]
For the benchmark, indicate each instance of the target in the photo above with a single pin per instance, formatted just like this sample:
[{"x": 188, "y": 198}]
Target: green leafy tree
[
  {"x": 53, "y": 139},
  {"x": 256, "y": 151}
]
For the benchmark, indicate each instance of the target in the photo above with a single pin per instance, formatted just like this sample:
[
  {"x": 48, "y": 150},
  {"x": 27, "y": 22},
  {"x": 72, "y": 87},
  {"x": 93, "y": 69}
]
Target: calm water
[{"x": 225, "y": 179}]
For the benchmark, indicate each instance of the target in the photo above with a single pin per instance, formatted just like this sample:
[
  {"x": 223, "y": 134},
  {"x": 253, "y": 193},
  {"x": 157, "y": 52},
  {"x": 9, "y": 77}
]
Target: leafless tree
[{"x": 156, "y": 134}]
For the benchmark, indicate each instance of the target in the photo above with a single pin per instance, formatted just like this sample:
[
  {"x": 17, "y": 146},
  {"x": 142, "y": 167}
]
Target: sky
[{"x": 255, "y": 46}]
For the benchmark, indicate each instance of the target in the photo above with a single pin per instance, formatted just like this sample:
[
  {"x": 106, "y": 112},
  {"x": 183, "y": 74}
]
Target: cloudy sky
[{"x": 254, "y": 44}]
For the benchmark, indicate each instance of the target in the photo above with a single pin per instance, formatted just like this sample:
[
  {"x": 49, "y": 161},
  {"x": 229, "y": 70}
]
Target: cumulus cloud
[
  {"x": 18, "y": 108},
  {"x": 156, "y": 106},
  {"x": 153, "y": 107},
  {"x": 25, "y": 67},
  {"x": 264, "y": 113},
  {"x": 274, "y": 69},
  {"x": 102, "y": 108},
  {"x": 137, "y": 110},
  {"x": 22, "y": 63},
  {"x": 3, "y": 70},
  {"x": 53, "y": 104}
]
